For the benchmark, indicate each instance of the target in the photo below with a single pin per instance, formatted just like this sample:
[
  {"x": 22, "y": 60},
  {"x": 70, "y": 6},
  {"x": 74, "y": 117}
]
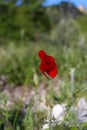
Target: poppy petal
[
  {"x": 41, "y": 54},
  {"x": 53, "y": 72},
  {"x": 41, "y": 68},
  {"x": 47, "y": 66}
]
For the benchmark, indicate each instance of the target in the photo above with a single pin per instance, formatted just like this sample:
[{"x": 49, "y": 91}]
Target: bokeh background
[{"x": 26, "y": 27}]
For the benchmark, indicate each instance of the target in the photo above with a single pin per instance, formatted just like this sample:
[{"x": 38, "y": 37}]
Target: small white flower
[
  {"x": 82, "y": 103},
  {"x": 46, "y": 126},
  {"x": 58, "y": 112}
]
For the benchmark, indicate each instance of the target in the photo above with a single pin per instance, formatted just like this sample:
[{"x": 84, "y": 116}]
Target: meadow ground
[{"x": 26, "y": 96}]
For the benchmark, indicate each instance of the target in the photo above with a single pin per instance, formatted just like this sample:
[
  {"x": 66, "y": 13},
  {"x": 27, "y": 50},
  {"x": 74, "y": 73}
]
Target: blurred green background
[{"x": 24, "y": 30}]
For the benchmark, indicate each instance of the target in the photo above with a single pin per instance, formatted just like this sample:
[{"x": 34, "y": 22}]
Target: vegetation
[
  {"x": 24, "y": 30},
  {"x": 23, "y": 21}
]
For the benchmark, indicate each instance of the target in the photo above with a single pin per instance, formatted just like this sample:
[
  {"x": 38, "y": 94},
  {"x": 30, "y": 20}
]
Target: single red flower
[{"x": 47, "y": 65}]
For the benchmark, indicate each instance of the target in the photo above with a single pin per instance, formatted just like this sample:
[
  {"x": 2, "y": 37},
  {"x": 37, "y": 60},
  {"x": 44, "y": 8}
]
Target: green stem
[{"x": 25, "y": 83}]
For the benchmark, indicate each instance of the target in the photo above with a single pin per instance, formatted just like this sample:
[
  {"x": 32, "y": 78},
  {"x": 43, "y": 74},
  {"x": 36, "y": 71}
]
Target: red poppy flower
[{"x": 47, "y": 65}]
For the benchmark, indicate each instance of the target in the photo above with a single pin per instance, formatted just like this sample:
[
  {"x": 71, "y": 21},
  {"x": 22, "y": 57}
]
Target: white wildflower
[
  {"x": 58, "y": 112},
  {"x": 46, "y": 126}
]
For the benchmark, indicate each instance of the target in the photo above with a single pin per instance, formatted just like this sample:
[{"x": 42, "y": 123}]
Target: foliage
[
  {"x": 16, "y": 62},
  {"x": 19, "y": 62},
  {"x": 24, "y": 21},
  {"x": 82, "y": 22}
]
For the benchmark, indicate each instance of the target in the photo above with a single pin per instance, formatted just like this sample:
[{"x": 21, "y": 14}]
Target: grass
[
  {"x": 16, "y": 61},
  {"x": 19, "y": 63}
]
